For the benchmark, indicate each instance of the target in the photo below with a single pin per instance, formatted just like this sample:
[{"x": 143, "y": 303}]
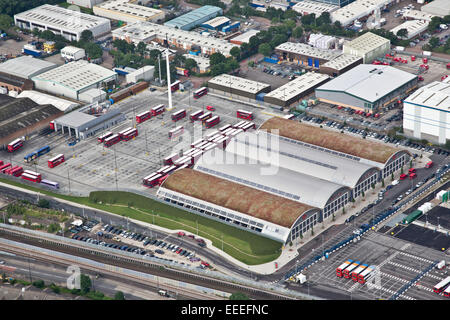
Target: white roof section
[
  {"x": 61, "y": 18},
  {"x": 366, "y": 43},
  {"x": 76, "y": 75},
  {"x": 435, "y": 95},
  {"x": 417, "y": 15},
  {"x": 245, "y": 37},
  {"x": 297, "y": 86},
  {"x": 414, "y": 27},
  {"x": 368, "y": 82},
  {"x": 357, "y": 9},
  {"x": 26, "y": 66},
  {"x": 217, "y": 21},
  {"x": 43, "y": 98},
  {"x": 71, "y": 50},
  {"x": 238, "y": 83},
  {"x": 308, "y": 7},
  {"x": 202, "y": 62},
  {"x": 341, "y": 62},
  {"x": 439, "y": 8},
  {"x": 126, "y": 8},
  {"x": 306, "y": 50}
]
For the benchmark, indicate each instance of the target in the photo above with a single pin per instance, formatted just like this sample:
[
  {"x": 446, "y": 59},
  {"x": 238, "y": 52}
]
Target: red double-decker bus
[
  {"x": 212, "y": 122},
  {"x": 412, "y": 170},
  {"x": 175, "y": 86},
  {"x": 178, "y": 115},
  {"x": 441, "y": 285},
  {"x": 366, "y": 274},
  {"x": 151, "y": 180},
  {"x": 170, "y": 159},
  {"x": 225, "y": 127},
  {"x": 141, "y": 117},
  {"x": 4, "y": 167},
  {"x": 176, "y": 132},
  {"x": 194, "y": 116},
  {"x": 160, "y": 108},
  {"x": 247, "y": 115},
  {"x": 348, "y": 271},
  {"x": 205, "y": 116},
  {"x": 56, "y": 160},
  {"x": 104, "y": 136},
  {"x": 248, "y": 126},
  {"x": 429, "y": 164},
  {"x": 31, "y": 176},
  {"x": 17, "y": 171},
  {"x": 200, "y": 92},
  {"x": 412, "y": 176},
  {"x": 111, "y": 140},
  {"x": 358, "y": 271},
  {"x": 342, "y": 267},
  {"x": 14, "y": 145},
  {"x": 447, "y": 292},
  {"x": 130, "y": 134},
  {"x": 121, "y": 133}
]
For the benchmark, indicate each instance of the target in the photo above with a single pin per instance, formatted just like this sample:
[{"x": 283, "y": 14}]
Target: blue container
[
  {"x": 270, "y": 60},
  {"x": 260, "y": 96},
  {"x": 316, "y": 63},
  {"x": 310, "y": 62}
]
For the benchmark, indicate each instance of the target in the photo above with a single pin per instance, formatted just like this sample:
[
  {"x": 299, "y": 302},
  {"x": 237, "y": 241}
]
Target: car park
[{"x": 159, "y": 251}]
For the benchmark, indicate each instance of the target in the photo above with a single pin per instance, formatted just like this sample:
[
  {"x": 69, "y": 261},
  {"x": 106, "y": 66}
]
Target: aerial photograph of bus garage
[{"x": 199, "y": 150}]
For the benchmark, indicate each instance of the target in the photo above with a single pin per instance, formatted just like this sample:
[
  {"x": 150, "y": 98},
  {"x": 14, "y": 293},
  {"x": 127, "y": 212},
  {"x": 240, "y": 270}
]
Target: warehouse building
[
  {"x": 73, "y": 78},
  {"x": 67, "y": 23},
  {"x": 305, "y": 55},
  {"x": 26, "y": 67},
  {"x": 308, "y": 7},
  {"x": 341, "y": 64},
  {"x": 231, "y": 85},
  {"x": 21, "y": 117},
  {"x": 339, "y": 3},
  {"x": 414, "y": 28},
  {"x": 14, "y": 85},
  {"x": 368, "y": 87},
  {"x": 148, "y": 32},
  {"x": 45, "y": 99},
  {"x": 417, "y": 15},
  {"x": 295, "y": 90},
  {"x": 244, "y": 37},
  {"x": 216, "y": 23},
  {"x": 194, "y": 18},
  {"x": 127, "y": 11},
  {"x": 358, "y": 9},
  {"x": 440, "y": 8},
  {"x": 369, "y": 46},
  {"x": 145, "y": 73},
  {"x": 426, "y": 113},
  {"x": 85, "y": 3}
]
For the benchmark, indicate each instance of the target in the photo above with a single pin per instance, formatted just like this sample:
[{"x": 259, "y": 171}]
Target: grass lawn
[{"x": 242, "y": 245}]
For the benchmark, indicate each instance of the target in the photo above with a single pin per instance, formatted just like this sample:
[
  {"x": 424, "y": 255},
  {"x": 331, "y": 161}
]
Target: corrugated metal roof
[
  {"x": 26, "y": 66},
  {"x": 193, "y": 16},
  {"x": 42, "y": 98},
  {"x": 435, "y": 95}
]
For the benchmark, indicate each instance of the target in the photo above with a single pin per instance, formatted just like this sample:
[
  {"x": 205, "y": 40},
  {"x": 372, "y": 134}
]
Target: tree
[
  {"x": 434, "y": 42},
  {"x": 410, "y": 164},
  {"x": 5, "y": 22},
  {"x": 297, "y": 32},
  {"x": 43, "y": 203},
  {"x": 343, "y": 210},
  {"x": 402, "y": 33},
  {"x": 334, "y": 217},
  {"x": 119, "y": 296},
  {"x": 382, "y": 183},
  {"x": 93, "y": 50},
  {"x": 265, "y": 49},
  {"x": 308, "y": 19},
  {"x": 434, "y": 23},
  {"x": 216, "y": 58},
  {"x": 312, "y": 231},
  {"x": 290, "y": 24},
  {"x": 392, "y": 176},
  {"x": 373, "y": 186},
  {"x": 239, "y": 296},
  {"x": 87, "y": 35},
  {"x": 362, "y": 194},
  {"x": 85, "y": 283},
  {"x": 235, "y": 52},
  {"x": 48, "y": 35},
  {"x": 190, "y": 64},
  {"x": 141, "y": 47},
  {"x": 39, "y": 284}
]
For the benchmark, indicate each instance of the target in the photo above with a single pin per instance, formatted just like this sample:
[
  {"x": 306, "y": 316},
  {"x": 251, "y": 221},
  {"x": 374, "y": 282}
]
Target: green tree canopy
[
  {"x": 216, "y": 58},
  {"x": 297, "y": 32},
  {"x": 190, "y": 64},
  {"x": 402, "y": 33},
  {"x": 434, "y": 42},
  {"x": 235, "y": 52},
  {"x": 85, "y": 283},
  {"x": 265, "y": 49},
  {"x": 87, "y": 36},
  {"x": 239, "y": 296},
  {"x": 119, "y": 296},
  {"x": 5, "y": 22}
]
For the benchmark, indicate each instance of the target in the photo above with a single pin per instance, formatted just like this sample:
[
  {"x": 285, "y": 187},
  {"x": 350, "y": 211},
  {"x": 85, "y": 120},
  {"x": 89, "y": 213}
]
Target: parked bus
[
  {"x": 358, "y": 271},
  {"x": 246, "y": 115},
  {"x": 248, "y": 126},
  {"x": 347, "y": 271},
  {"x": 341, "y": 268},
  {"x": 167, "y": 170},
  {"x": 121, "y": 133},
  {"x": 447, "y": 292},
  {"x": 289, "y": 116},
  {"x": 30, "y": 177},
  {"x": 170, "y": 159},
  {"x": 56, "y": 160},
  {"x": 403, "y": 176},
  {"x": 429, "y": 164},
  {"x": 111, "y": 140},
  {"x": 441, "y": 285},
  {"x": 196, "y": 143},
  {"x": 175, "y": 86},
  {"x": 141, "y": 117},
  {"x": 43, "y": 150},
  {"x": 4, "y": 167},
  {"x": 178, "y": 115},
  {"x": 200, "y": 92},
  {"x": 16, "y": 171},
  {"x": 51, "y": 184},
  {"x": 205, "y": 116},
  {"x": 412, "y": 170},
  {"x": 212, "y": 122},
  {"x": 239, "y": 124},
  {"x": 104, "y": 136},
  {"x": 130, "y": 134},
  {"x": 225, "y": 127},
  {"x": 176, "y": 132},
  {"x": 151, "y": 180},
  {"x": 52, "y": 125},
  {"x": 194, "y": 116},
  {"x": 183, "y": 160},
  {"x": 412, "y": 176},
  {"x": 14, "y": 145},
  {"x": 160, "y": 108},
  {"x": 366, "y": 274}
]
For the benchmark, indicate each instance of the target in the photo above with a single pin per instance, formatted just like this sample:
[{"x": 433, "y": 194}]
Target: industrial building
[
  {"x": 70, "y": 53},
  {"x": 149, "y": 32},
  {"x": 21, "y": 117},
  {"x": 89, "y": 120},
  {"x": 231, "y": 85},
  {"x": 127, "y": 11},
  {"x": 341, "y": 64},
  {"x": 44, "y": 99},
  {"x": 368, "y": 87},
  {"x": 85, "y": 3},
  {"x": 414, "y": 28},
  {"x": 426, "y": 113},
  {"x": 295, "y": 90},
  {"x": 72, "y": 79},
  {"x": 26, "y": 67},
  {"x": 309, "y": 7},
  {"x": 417, "y": 15},
  {"x": 358, "y": 9},
  {"x": 145, "y": 73},
  {"x": 369, "y": 46},
  {"x": 244, "y": 37},
  {"x": 216, "y": 23},
  {"x": 305, "y": 55},
  {"x": 67, "y": 23},
  {"x": 340, "y": 3},
  {"x": 194, "y": 18},
  {"x": 13, "y": 84},
  {"x": 440, "y": 8}
]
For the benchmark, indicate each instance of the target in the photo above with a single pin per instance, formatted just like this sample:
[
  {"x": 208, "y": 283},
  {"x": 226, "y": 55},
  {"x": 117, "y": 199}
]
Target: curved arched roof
[
  {"x": 344, "y": 143},
  {"x": 234, "y": 196}
]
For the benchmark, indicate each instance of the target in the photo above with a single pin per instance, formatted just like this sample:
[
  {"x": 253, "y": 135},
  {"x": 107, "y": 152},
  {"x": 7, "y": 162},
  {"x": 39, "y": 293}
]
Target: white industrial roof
[
  {"x": 414, "y": 27},
  {"x": 440, "y": 8},
  {"x": 71, "y": 50},
  {"x": 297, "y": 86},
  {"x": 217, "y": 21},
  {"x": 245, "y": 37},
  {"x": 127, "y": 8},
  {"x": 202, "y": 62},
  {"x": 367, "y": 42},
  {"x": 26, "y": 66},
  {"x": 238, "y": 83},
  {"x": 306, "y": 50},
  {"x": 43, "y": 98},
  {"x": 308, "y": 7},
  {"x": 339, "y": 63},
  {"x": 417, "y": 15},
  {"x": 62, "y": 18},
  {"x": 368, "y": 82},
  {"x": 435, "y": 95},
  {"x": 76, "y": 75},
  {"x": 355, "y": 10}
]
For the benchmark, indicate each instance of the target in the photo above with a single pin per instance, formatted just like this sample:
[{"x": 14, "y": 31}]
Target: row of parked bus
[
  {"x": 207, "y": 118},
  {"x": 156, "y": 110},
  {"x": 19, "y": 172},
  {"x": 443, "y": 287},
  {"x": 109, "y": 138},
  {"x": 355, "y": 270}
]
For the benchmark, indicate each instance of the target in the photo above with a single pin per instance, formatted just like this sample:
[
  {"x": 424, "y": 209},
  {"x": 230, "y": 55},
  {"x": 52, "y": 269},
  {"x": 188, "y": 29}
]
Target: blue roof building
[{"x": 194, "y": 18}]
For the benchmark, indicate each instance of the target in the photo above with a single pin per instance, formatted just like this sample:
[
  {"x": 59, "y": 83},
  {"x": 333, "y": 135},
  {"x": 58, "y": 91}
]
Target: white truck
[
  {"x": 71, "y": 53},
  {"x": 300, "y": 278},
  {"x": 441, "y": 265}
]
